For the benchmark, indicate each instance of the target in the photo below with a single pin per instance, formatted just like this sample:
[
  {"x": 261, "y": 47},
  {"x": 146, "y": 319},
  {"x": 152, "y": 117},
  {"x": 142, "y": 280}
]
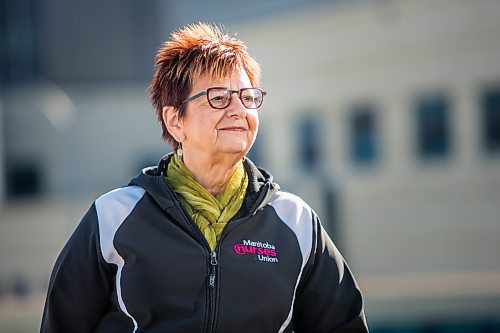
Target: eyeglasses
[{"x": 220, "y": 98}]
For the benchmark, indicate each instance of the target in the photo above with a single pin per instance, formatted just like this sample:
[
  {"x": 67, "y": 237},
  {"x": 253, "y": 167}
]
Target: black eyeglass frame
[{"x": 239, "y": 92}]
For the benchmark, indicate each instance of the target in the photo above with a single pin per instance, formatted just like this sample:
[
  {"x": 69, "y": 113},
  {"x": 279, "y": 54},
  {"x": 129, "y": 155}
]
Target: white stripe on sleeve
[
  {"x": 112, "y": 209},
  {"x": 297, "y": 215}
]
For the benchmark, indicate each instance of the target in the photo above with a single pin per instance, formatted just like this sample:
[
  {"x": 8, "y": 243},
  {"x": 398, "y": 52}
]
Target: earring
[{"x": 179, "y": 151}]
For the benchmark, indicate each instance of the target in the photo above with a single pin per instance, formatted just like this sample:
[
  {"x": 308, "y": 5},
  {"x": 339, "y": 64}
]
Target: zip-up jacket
[{"x": 138, "y": 263}]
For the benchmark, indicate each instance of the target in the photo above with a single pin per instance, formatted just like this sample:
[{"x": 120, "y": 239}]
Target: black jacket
[{"x": 138, "y": 263}]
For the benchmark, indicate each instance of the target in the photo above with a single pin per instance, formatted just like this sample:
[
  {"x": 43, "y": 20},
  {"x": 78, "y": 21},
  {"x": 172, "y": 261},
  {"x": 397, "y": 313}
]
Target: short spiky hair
[{"x": 195, "y": 50}]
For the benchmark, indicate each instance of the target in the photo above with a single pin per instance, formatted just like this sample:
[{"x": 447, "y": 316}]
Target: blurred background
[{"x": 384, "y": 115}]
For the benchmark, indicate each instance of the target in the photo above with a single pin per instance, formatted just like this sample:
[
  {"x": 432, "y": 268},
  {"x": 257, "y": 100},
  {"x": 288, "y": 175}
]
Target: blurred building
[
  {"x": 395, "y": 105},
  {"x": 384, "y": 115},
  {"x": 2, "y": 173}
]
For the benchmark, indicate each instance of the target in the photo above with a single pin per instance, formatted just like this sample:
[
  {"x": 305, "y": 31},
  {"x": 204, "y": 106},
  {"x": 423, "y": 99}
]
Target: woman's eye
[{"x": 218, "y": 98}]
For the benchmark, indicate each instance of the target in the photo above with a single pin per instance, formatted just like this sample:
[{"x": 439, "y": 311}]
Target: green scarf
[{"x": 210, "y": 213}]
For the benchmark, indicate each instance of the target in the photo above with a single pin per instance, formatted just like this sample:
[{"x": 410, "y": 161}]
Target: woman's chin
[{"x": 235, "y": 148}]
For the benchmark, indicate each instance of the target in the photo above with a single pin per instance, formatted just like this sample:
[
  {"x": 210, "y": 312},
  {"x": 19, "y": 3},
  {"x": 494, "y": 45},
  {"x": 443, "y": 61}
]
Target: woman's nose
[{"x": 236, "y": 107}]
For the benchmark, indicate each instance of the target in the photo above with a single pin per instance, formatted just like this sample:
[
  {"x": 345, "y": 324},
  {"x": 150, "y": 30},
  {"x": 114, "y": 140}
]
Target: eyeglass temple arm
[{"x": 194, "y": 97}]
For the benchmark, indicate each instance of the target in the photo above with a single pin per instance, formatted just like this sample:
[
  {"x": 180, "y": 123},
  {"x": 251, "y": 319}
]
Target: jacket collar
[{"x": 260, "y": 185}]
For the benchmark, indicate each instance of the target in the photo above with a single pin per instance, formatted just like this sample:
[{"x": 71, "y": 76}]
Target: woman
[{"x": 205, "y": 241}]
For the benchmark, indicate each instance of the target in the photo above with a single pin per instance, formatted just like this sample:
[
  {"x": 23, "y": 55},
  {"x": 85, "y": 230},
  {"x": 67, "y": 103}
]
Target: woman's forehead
[{"x": 238, "y": 77}]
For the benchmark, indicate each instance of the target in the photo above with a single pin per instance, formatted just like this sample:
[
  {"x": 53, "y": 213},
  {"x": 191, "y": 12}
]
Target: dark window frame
[
  {"x": 364, "y": 135},
  {"x": 433, "y": 126},
  {"x": 490, "y": 119},
  {"x": 309, "y": 140}
]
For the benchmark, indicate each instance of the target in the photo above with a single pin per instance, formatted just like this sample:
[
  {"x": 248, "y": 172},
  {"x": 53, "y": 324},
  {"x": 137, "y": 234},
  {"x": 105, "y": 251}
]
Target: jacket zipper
[
  {"x": 212, "y": 291},
  {"x": 213, "y": 270},
  {"x": 213, "y": 261}
]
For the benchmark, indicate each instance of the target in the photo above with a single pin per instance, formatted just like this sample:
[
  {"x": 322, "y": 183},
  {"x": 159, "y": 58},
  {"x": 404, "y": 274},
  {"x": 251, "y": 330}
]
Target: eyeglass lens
[{"x": 220, "y": 98}]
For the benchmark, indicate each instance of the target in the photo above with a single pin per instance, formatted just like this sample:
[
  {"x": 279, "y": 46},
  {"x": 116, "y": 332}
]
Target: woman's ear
[{"x": 173, "y": 122}]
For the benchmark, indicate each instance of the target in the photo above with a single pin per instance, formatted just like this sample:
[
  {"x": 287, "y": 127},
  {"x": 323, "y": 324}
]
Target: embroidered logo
[{"x": 264, "y": 251}]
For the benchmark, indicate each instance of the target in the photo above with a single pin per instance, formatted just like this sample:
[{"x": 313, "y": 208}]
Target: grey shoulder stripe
[
  {"x": 297, "y": 215},
  {"x": 112, "y": 209}
]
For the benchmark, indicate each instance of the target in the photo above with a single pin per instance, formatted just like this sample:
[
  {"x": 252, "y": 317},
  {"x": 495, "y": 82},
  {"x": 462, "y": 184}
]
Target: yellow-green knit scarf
[{"x": 210, "y": 213}]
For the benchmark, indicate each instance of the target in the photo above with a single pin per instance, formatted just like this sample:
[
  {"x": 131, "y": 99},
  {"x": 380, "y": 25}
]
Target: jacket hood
[{"x": 260, "y": 190}]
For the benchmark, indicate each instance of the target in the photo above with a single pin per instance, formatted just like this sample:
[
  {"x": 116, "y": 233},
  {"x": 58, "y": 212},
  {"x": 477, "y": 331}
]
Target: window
[
  {"x": 309, "y": 142},
  {"x": 491, "y": 120},
  {"x": 363, "y": 136},
  {"x": 23, "y": 179},
  {"x": 17, "y": 41},
  {"x": 433, "y": 132}
]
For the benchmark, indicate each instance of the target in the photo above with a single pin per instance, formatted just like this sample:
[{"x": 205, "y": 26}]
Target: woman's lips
[{"x": 235, "y": 129}]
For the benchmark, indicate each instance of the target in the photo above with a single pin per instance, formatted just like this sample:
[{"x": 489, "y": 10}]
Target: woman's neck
[{"x": 213, "y": 174}]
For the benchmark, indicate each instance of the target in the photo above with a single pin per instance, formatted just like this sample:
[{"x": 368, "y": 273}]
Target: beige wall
[{"x": 401, "y": 219}]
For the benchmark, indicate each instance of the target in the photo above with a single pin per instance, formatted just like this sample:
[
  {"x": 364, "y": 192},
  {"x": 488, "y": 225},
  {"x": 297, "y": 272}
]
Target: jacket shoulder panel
[
  {"x": 297, "y": 215},
  {"x": 112, "y": 209}
]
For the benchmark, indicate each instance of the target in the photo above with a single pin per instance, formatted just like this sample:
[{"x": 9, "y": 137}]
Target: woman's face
[{"x": 211, "y": 132}]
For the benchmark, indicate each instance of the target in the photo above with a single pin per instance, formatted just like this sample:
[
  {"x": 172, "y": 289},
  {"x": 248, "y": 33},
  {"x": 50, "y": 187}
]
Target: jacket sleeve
[
  {"x": 81, "y": 282},
  {"x": 328, "y": 298}
]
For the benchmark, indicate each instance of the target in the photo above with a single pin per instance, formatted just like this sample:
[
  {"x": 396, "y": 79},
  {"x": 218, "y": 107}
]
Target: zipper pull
[
  {"x": 213, "y": 262},
  {"x": 213, "y": 258},
  {"x": 211, "y": 280}
]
